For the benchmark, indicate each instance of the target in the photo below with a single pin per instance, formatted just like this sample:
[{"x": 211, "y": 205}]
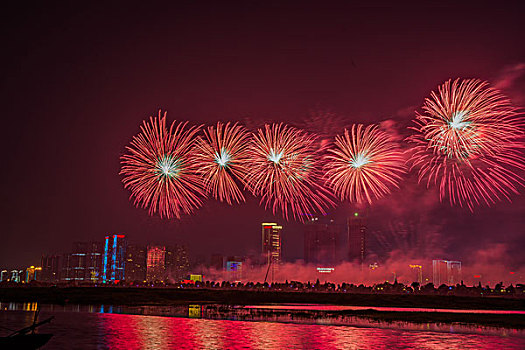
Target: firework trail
[
  {"x": 468, "y": 142},
  {"x": 364, "y": 164},
  {"x": 221, "y": 157},
  {"x": 159, "y": 168},
  {"x": 284, "y": 171}
]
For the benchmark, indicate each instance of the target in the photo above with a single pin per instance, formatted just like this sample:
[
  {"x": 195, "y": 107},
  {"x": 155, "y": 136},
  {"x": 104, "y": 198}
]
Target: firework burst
[
  {"x": 364, "y": 164},
  {"x": 468, "y": 141},
  {"x": 221, "y": 157},
  {"x": 284, "y": 171},
  {"x": 159, "y": 168}
]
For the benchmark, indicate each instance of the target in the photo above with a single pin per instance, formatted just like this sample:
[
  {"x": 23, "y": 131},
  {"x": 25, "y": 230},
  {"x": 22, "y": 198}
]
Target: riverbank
[{"x": 173, "y": 296}]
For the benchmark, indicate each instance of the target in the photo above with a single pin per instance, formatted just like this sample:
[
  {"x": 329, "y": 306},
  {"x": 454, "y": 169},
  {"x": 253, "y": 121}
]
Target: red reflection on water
[{"x": 132, "y": 332}]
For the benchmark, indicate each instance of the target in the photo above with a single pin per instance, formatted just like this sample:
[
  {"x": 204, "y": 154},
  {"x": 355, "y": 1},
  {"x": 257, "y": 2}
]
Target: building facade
[
  {"x": 114, "y": 262},
  {"x": 51, "y": 267},
  {"x": 320, "y": 241},
  {"x": 357, "y": 238},
  {"x": 272, "y": 246},
  {"x": 83, "y": 264},
  {"x": 446, "y": 272},
  {"x": 135, "y": 267}
]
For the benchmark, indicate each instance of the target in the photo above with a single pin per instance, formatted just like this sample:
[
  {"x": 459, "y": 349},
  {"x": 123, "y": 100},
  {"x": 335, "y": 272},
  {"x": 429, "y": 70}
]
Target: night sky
[{"x": 76, "y": 83}]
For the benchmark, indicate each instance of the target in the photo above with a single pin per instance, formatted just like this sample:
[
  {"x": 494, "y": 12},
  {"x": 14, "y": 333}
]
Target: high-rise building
[
  {"x": 271, "y": 245},
  {"x": 446, "y": 272},
  {"x": 15, "y": 275},
  {"x": 271, "y": 242},
  {"x": 167, "y": 263},
  {"x": 83, "y": 264},
  {"x": 417, "y": 273},
  {"x": 156, "y": 263},
  {"x": 177, "y": 263},
  {"x": 51, "y": 268},
  {"x": 357, "y": 238},
  {"x": 32, "y": 274},
  {"x": 4, "y": 276},
  {"x": 320, "y": 241},
  {"x": 135, "y": 267},
  {"x": 114, "y": 259},
  {"x": 234, "y": 267}
]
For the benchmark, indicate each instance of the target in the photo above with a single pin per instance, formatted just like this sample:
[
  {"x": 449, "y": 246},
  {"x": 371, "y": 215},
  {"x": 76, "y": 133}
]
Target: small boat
[{"x": 26, "y": 338}]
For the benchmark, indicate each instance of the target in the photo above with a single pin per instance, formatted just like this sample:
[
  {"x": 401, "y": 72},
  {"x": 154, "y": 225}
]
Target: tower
[
  {"x": 114, "y": 258},
  {"x": 320, "y": 237},
  {"x": 271, "y": 245},
  {"x": 357, "y": 238}
]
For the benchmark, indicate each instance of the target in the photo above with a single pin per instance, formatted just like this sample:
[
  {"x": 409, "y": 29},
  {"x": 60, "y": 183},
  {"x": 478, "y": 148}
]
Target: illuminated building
[
  {"x": 4, "y": 276},
  {"x": 271, "y": 242},
  {"x": 135, "y": 267},
  {"x": 84, "y": 263},
  {"x": 357, "y": 238},
  {"x": 234, "y": 267},
  {"x": 114, "y": 261},
  {"x": 177, "y": 263},
  {"x": 32, "y": 274},
  {"x": 446, "y": 272},
  {"x": 320, "y": 239},
  {"x": 156, "y": 263},
  {"x": 419, "y": 273},
  {"x": 15, "y": 276},
  {"x": 50, "y": 268}
]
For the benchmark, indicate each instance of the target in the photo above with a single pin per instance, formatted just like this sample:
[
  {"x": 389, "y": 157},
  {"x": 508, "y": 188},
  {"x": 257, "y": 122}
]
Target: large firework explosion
[
  {"x": 364, "y": 164},
  {"x": 468, "y": 141},
  {"x": 284, "y": 171},
  {"x": 221, "y": 157},
  {"x": 159, "y": 168}
]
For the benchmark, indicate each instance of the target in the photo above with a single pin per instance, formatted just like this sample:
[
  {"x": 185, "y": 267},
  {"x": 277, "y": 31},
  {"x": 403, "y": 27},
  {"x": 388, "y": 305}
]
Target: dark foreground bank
[{"x": 172, "y": 296}]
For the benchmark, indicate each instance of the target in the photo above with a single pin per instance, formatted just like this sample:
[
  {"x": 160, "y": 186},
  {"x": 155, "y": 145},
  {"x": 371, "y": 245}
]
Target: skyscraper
[
  {"x": 167, "y": 263},
  {"x": 135, "y": 267},
  {"x": 357, "y": 238},
  {"x": 32, "y": 274},
  {"x": 271, "y": 242},
  {"x": 4, "y": 275},
  {"x": 51, "y": 266},
  {"x": 271, "y": 245},
  {"x": 84, "y": 263},
  {"x": 177, "y": 263},
  {"x": 446, "y": 272},
  {"x": 320, "y": 237},
  {"x": 114, "y": 258},
  {"x": 156, "y": 263}
]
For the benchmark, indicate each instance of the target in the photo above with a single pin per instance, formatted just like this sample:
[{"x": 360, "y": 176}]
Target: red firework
[
  {"x": 159, "y": 168},
  {"x": 284, "y": 171},
  {"x": 221, "y": 157},
  {"x": 364, "y": 164},
  {"x": 468, "y": 141}
]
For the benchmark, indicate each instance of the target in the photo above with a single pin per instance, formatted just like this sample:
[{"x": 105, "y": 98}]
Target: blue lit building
[{"x": 114, "y": 262}]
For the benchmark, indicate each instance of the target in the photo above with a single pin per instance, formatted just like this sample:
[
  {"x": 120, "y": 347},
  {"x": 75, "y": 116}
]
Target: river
[{"x": 107, "y": 327}]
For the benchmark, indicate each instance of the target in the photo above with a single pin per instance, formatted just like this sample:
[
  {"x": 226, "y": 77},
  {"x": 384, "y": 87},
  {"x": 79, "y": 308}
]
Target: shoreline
[
  {"x": 172, "y": 296},
  {"x": 233, "y": 302}
]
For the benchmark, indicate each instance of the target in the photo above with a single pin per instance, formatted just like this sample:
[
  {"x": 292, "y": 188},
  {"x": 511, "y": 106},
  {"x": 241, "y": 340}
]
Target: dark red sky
[{"x": 77, "y": 82}]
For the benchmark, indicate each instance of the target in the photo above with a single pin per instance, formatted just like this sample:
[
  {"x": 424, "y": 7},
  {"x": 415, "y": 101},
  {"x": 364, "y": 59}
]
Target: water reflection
[{"x": 85, "y": 330}]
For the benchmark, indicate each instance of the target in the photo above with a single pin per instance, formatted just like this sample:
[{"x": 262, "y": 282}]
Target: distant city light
[{"x": 325, "y": 269}]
